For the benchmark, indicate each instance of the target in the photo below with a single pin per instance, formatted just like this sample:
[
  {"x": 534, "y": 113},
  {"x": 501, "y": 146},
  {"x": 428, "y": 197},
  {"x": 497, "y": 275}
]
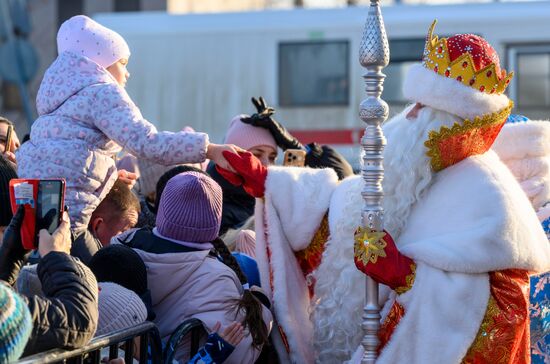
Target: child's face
[{"x": 119, "y": 71}]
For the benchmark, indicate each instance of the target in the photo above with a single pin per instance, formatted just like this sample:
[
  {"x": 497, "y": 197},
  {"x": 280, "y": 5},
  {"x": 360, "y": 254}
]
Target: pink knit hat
[
  {"x": 84, "y": 36},
  {"x": 246, "y": 243},
  {"x": 248, "y": 136},
  {"x": 190, "y": 208}
]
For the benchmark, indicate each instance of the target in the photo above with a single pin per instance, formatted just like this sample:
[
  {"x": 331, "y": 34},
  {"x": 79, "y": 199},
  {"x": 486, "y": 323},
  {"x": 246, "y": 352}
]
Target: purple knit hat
[{"x": 190, "y": 208}]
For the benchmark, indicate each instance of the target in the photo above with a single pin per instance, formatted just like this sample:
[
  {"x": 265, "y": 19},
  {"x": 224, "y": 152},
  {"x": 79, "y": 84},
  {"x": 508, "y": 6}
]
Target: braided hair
[{"x": 248, "y": 303}]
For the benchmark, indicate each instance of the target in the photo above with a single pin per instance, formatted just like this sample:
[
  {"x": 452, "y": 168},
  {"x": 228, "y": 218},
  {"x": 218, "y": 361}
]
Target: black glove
[
  {"x": 326, "y": 157},
  {"x": 12, "y": 253},
  {"x": 263, "y": 119}
]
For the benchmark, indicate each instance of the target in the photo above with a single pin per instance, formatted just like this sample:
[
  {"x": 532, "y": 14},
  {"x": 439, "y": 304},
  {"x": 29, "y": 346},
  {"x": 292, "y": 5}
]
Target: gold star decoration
[{"x": 369, "y": 245}]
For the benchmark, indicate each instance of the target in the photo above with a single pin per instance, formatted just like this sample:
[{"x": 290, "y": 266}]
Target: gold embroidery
[
  {"x": 503, "y": 337},
  {"x": 449, "y": 146},
  {"x": 409, "y": 279},
  {"x": 310, "y": 257},
  {"x": 369, "y": 245}
]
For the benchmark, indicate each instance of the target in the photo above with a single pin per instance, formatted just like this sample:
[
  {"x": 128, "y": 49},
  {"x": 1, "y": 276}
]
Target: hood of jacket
[
  {"x": 168, "y": 271},
  {"x": 68, "y": 75}
]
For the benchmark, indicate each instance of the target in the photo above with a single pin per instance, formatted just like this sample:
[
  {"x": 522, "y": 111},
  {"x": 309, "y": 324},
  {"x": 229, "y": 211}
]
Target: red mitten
[
  {"x": 377, "y": 256},
  {"x": 229, "y": 176},
  {"x": 251, "y": 173}
]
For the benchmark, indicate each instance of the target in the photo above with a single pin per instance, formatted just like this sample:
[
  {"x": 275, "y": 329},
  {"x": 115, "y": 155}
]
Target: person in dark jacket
[{"x": 67, "y": 316}]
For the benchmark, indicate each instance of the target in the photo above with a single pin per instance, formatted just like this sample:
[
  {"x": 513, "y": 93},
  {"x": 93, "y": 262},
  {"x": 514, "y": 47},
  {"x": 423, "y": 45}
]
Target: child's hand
[
  {"x": 215, "y": 154},
  {"x": 233, "y": 333},
  {"x": 128, "y": 178}
]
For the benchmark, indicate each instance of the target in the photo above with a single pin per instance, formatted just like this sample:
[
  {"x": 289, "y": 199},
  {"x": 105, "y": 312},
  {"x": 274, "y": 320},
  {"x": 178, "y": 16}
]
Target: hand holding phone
[
  {"x": 294, "y": 158},
  {"x": 59, "y": 241},
  {"x": 43, "y": 202}
]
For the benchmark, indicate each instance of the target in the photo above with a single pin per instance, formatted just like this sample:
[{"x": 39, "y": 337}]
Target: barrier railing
[{"x": 150, "y": 347}]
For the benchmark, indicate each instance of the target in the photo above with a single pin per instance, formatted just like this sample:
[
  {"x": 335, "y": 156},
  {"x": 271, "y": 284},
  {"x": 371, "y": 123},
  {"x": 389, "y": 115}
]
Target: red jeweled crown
[
  {"x": 467, "y": 58},
  {"x": 470, "y": 60}
]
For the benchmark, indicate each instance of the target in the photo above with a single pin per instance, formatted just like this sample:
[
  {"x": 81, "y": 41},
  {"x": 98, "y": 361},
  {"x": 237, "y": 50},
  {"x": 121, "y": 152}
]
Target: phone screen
[{"x": 49, "y": 205}]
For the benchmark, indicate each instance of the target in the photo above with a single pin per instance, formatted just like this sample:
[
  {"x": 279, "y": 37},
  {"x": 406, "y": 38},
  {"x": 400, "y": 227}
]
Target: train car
[{"x": 201, "y": 69}]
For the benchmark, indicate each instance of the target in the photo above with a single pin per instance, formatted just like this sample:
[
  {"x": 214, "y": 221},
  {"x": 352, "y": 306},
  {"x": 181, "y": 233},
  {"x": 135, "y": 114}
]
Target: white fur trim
[
  {"x": 475, "y": 218},
  {"x": 525, "y": 148},
  {"x": 523, "y": 139},
  {"x": 296, "y": 193},
  {"x": 296, "y": 199},
  {"x": 429, "y": 88}
]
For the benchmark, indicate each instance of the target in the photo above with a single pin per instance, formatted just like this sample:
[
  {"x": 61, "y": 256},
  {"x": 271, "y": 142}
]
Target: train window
[
  {"x": 533, "y": 81},
  {"x": 403, "y": 54},
  {"x": 314, "y": 73},
  {"x": 531, "y": 86}
]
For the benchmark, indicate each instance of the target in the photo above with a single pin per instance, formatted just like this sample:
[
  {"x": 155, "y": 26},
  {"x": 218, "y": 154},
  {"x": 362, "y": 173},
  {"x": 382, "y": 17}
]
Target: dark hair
[
  {"x": 249, "y": 303},
  {"x": 7, "y": 173},
  {"x": 163, "y": 180},
  {"x": 118, "y": 201}
]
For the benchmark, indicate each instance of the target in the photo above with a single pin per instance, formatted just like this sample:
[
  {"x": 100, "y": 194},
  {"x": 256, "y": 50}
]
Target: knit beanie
[
  {"x": 122, "y": 265},
  {"x": 190, "y": 208},
  {"x": 246, "y": 243},
  {"x": 119, "y": 308},
  {"x": 84, "y": 36},
  {"x": 247, "y": 136},
  {"x": 28, "y": 283},
  {"x": 15, "y": 324},
  {"x": 7, "y": 172}
]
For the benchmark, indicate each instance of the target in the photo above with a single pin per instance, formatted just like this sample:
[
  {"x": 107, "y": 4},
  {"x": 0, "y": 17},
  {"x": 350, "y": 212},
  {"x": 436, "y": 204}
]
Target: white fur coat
[{"x": 474, "y": 219}]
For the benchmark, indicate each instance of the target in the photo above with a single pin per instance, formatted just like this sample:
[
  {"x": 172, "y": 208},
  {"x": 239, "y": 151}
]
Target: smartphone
[
  {"x": 294, "y": 158},
  {"x": 7, "y": 146},
  {"x": 43, "y": 201},
  {"x": 49, "y": 204}
]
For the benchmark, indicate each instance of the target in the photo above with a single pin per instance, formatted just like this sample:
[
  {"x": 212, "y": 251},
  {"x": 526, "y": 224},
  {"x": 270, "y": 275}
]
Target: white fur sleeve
[{"x": 300, "y": 197}]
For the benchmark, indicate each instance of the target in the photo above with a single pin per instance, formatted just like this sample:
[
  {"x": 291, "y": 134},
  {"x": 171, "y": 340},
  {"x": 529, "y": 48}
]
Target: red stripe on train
[{"x": 329, "y": 136}]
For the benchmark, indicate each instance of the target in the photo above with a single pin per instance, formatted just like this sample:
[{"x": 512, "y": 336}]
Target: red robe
[{"x": 503, "y": 337}]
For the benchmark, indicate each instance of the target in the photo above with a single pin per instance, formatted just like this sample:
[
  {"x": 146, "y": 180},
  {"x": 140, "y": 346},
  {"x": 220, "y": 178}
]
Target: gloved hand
[
  {"x": 250, "y": 172},
  {"x": 327, "y": 157},
  {"x": 12, "y": 253},
  {"x": 376, "y": 255},
  {"x": 263, "y": 119}
]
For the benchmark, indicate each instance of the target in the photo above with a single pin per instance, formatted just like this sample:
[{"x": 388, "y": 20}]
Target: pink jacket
[
  {"x": 195, "y": 284},
  {"x": 85, "y": 118}
]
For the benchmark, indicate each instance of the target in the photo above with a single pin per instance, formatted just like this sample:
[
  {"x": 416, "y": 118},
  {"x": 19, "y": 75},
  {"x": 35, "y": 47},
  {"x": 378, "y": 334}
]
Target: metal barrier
[
  {"x": 191, "y": 326},
  {"x": 147, "y": 332}
]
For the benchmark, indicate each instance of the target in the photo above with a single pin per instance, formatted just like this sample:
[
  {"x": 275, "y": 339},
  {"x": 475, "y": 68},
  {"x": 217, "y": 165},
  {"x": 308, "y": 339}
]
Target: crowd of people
[{"x": 166, "y": 226}]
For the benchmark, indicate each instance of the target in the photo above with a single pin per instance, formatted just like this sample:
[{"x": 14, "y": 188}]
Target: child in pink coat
[{"x": 86, "y": 117}]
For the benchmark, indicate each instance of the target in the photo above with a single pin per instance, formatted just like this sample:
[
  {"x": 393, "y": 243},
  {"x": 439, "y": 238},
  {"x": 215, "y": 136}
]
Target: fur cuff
[
  {"x": 429, "y": 88},
  {"x": 524, "y": 139}
]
